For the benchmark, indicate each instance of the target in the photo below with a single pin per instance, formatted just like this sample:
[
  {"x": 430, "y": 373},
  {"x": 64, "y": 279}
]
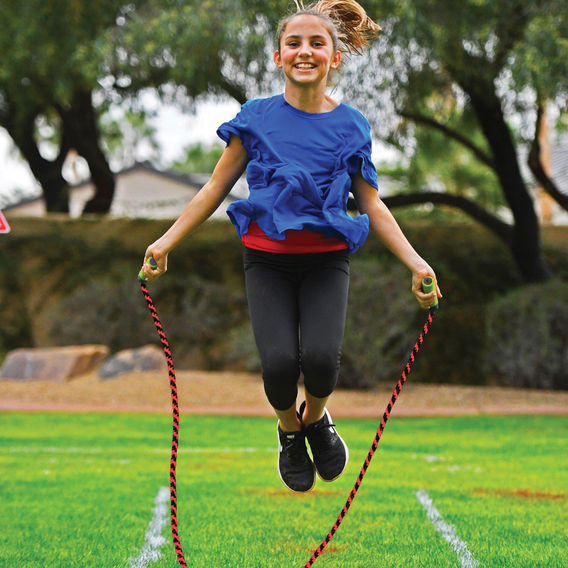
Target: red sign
[{"x": 4, "y": 227}]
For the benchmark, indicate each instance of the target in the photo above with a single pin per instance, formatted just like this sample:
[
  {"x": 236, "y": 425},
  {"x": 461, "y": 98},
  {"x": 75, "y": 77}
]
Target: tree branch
[
  {"x": 234, "y": 91},
  {"x": 503, "y": 230},
  {"x": 511, "y": 30},
  {"x": 534, "y": 162},
  {"x": 428, "y": 121}
]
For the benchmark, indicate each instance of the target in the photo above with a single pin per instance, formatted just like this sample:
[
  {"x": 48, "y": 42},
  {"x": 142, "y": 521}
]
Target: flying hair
[{"x": 349, "y": 25}]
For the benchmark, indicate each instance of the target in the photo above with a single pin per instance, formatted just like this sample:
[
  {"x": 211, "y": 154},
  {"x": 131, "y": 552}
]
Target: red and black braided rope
[
  {"x": 175, "y": 433},
  {"x": 175, "y": 429},
  {"x": 406, "y": 371}
]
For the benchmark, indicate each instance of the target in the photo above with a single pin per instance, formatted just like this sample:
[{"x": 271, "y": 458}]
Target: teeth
[{"x": 304, "y": 66}]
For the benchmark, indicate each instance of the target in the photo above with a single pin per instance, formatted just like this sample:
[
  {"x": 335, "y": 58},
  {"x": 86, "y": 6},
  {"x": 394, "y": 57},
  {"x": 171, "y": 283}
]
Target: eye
[{"x": 318, "y": 44}]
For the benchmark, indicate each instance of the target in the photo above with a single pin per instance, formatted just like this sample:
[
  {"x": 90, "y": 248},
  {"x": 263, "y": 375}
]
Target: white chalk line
[
  {"x": 165, "y": 450},
  {"x": 154, "y": 540},
  {"x": 24, "y": 450},
  {"x": 217, "y": 450},
  {"x": 447, "y": 531}
]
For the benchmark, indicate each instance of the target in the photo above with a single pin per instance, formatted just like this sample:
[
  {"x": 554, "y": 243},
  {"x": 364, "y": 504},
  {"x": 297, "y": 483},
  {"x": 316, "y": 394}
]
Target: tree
[
  {"x": 127, "y": 135},
  {"x": 466, "y": 73},
  {"x": 58, "y": 58},
  {"x": 190, "y": 48},
  {"x": 49, "y": 70},
  {"x": 199, "y": 159}
]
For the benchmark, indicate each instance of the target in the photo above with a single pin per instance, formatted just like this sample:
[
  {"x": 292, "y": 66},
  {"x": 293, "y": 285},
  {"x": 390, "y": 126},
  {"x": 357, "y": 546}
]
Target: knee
[
  {"x": 321, "y": 370},
  {"x": 280, "y": 375}
]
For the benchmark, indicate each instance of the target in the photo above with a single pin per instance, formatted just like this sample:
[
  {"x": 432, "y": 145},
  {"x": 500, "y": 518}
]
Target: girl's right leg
[{"x": 273, "y": 308}]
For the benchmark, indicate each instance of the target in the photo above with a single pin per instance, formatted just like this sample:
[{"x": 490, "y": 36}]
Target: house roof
[
  {"x": 26, "y": 201},
  {"x": 192, "y": 180},
  {"x": 559, "y": 167}
]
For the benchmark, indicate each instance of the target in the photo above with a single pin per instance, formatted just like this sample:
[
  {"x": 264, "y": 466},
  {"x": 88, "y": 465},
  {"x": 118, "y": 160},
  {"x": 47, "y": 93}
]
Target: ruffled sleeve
[
  {"x": 360, "y": 159},
  {"x": 239, "y": 126}
]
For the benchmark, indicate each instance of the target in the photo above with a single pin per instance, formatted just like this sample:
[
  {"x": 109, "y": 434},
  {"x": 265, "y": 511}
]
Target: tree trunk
[
  {"x": 471, "y": 208},
  {"x": 525, "y": 244},
  {"x": 81, "y": 120},
  {"x": 47, "y": 172}
]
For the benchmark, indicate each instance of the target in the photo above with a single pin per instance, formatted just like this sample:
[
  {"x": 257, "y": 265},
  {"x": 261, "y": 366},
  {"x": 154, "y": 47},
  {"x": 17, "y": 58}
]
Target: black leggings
[{"x": 297, "y": 305}]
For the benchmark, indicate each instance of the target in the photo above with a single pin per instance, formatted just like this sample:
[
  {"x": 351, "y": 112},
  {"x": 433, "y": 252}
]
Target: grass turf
[{"x": 78, "y": 490}]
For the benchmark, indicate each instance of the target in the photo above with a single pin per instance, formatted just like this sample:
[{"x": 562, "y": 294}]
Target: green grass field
[{"x": 79, "y": 490}]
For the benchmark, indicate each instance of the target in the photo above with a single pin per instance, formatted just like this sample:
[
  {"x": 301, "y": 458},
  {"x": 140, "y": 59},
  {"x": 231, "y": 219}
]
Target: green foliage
[
  {"x": 473, "y": 75},
  {"x": 50, "y": 48},
  {"x": 241, "y": 351},
  {"x": 75, "y": 281},
  {"x": 125, "y": 137},
  {"x": 199, "y": 159},
  {"x": 103, "y": 313},
  {"x": 441, "y": 163},
  {"x": 527, "y": 337},
  {"x": 16, "y": 329},
  {"x": 192, "y": 47},
  {"x": 379, "y": 329},
  {"x": 197, "y": 315}
]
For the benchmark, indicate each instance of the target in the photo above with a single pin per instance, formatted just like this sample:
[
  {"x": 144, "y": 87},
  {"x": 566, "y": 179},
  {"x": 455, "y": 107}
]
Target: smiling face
[{"x": 306, "y": 52}]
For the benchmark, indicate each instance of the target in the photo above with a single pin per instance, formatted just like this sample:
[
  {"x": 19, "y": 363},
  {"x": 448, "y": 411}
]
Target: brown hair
[{"x": 347, "y": 22}]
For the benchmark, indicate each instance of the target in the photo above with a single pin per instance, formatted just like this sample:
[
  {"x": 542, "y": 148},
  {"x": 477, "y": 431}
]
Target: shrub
[
  {"x": 196, "y": 315},
  {"x": 15, "y": 330},
  {"x": 379, "y": 331},
  {"x": 200, "y": 314},
  {"x": 527, "y": 337},
  {"x": 242, "y": 353},
  {"x": 112, "y": 314}
]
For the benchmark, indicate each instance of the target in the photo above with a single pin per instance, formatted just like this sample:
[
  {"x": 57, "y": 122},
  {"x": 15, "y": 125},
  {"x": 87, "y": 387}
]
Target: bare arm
[
  {"x": 230, "y": 167},
  {"x": 387, "y": 229}
]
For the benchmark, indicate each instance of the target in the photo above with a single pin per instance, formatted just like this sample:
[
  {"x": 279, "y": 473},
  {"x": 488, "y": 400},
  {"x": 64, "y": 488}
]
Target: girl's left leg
[{"x": 322, "y": 307}]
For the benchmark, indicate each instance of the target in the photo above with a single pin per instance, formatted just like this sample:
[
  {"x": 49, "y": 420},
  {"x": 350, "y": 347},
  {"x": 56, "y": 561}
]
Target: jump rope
[{"x": 427, "y": 286}]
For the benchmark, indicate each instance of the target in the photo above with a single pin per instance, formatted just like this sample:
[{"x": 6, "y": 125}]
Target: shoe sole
[
  {"x": 346, "y": 453},
  {"x": 280, "y": 475}
]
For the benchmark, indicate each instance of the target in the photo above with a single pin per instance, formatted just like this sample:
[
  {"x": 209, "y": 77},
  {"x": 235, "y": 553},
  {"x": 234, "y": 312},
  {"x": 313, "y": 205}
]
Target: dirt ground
[{"x": 242, "y": 394}]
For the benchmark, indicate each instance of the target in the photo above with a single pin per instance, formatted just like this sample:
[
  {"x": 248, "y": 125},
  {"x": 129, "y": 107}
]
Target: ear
[
  {"x": 277, "y": 58},
  {"x": 336, "y": 60}
]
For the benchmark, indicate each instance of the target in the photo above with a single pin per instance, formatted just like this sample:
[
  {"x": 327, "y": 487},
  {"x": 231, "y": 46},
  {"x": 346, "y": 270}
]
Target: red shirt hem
[{"x": 296, "y": 241}]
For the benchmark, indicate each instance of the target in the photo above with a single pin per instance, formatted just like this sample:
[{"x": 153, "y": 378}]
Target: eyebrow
[{"x": 295, "y": 36}]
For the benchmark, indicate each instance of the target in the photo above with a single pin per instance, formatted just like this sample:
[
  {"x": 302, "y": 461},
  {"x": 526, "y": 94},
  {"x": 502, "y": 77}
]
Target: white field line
[
  {"x": 447, "y": 531},
  {"x": 191, "y": 450},
  {"x": 52, "y": 450},
  {"x": 165, "y": 450},
  {"x": 154, "y": 540}
]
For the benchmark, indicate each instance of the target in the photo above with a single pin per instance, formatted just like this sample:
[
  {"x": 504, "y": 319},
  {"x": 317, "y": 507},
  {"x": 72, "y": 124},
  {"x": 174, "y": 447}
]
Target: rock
[
  {"x": 148, "y": 358},
  {"x": 59, "y": 364}
]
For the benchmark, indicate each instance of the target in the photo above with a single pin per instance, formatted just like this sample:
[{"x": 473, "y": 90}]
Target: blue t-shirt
[{"x": 299, "y": 168}]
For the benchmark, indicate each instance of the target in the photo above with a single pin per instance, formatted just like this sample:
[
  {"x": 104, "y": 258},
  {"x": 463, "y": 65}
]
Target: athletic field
[{"x": 88, "y": 490}]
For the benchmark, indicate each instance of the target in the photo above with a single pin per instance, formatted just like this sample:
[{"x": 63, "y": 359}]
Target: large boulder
[
  {"x": 147, "y": 358},
  {"x": 59, "y": 364}
]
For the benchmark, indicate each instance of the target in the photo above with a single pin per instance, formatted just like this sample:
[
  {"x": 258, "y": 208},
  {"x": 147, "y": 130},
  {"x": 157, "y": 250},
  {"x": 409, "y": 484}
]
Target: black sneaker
[
  {"x": 295, "y": 468},
  {"x": 329, "y": 451}
]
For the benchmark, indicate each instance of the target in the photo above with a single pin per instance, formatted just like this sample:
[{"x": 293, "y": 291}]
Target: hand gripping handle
[
  {"x": 429, "y": 286},
  {"x": 152, "y": 264}
]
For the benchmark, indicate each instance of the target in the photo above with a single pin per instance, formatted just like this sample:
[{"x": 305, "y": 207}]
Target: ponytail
[{"x": 352, "y": 26}]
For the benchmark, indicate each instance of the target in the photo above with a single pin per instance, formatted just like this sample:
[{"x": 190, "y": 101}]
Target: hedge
[{"x": 74, "y": 281}]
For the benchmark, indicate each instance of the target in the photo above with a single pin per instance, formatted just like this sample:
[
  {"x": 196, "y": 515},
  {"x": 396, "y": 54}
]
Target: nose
[{"x": 305, "y": 50}]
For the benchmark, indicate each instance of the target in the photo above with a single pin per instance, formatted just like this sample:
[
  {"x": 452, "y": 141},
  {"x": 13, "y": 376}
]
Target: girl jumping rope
[{"x": 303, "y": 153}]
